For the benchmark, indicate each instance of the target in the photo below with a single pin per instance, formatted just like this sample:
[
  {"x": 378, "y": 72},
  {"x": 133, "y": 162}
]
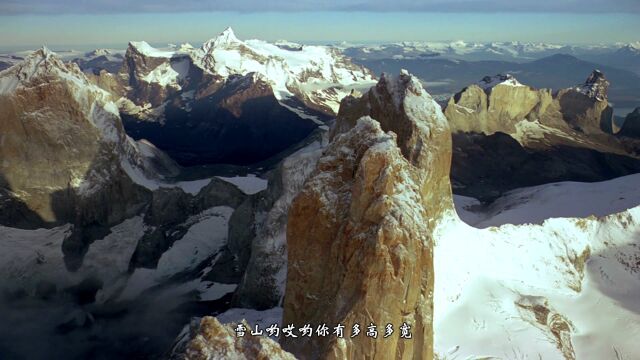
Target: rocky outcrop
[
  {"x": 568, "y": 133},
  {"x": 631, "y": 126},
  {"x": 215, "y": 341},
  {"x": 167, "y": 216},
  {"x": 537, "y": 312},
  {"x": 596, "y": 86},
  {"x": 502, "y": 104},
  {"x": 359, "y": 233},
  {"x": 402, "y": 106},
  {"x": 585, "y": 107},
  {"x": 496, "y": 105}
]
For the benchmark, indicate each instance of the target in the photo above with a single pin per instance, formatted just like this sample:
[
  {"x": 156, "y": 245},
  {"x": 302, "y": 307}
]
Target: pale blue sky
[{"x": 75, "y": 27}]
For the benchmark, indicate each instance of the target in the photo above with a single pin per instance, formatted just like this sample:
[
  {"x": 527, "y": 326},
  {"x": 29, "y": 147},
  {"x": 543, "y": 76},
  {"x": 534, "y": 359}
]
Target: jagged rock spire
[
  {"x": 226, "y": 38},
  {"x": 361, "y": 228},
  {"x": 596, "y": 86}
]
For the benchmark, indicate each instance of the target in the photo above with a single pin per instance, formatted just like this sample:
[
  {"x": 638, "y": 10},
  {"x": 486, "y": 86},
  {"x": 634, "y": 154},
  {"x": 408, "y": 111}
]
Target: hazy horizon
[{"x": 31, "y": 30}]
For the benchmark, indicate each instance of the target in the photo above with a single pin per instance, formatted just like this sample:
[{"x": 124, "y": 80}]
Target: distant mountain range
[
  {"x": 447, "y": 76},
  {"x": 622, "y": 55}
]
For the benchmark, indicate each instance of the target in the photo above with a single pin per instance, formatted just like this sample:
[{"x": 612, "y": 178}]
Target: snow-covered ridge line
[
  {"x": 144, "y": 48},
  {"x": 485, "y": 50},
  {"x": 317, "y": 75},
  {"x": 43, "y": 65}
]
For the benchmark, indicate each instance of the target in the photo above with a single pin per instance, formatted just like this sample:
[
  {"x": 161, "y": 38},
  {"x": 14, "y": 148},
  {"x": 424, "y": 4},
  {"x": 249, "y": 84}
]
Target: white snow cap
[
  {"x": 41, "y": 61},
  {"x": 98, "y": 52},
  {"x": 408, "y": 94},
  {"x": 226, "y": 38},
  {"x": 314, "y": 70},
  {"x": 144, "y": 48},
  {"x": 401, "y": 86}
]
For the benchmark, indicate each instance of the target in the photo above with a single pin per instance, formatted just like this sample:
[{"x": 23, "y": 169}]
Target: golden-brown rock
[
  {"x": 402, "y": 106},
  {"x": 214, "y": 341},
  {"x": 360, "y": 246},
  {"x": 580, "y": 116}
]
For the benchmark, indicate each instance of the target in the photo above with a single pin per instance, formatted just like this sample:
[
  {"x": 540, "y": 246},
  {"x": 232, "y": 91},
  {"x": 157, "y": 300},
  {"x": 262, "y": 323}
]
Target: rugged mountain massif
[
  {"x": 102, "y": 197},
  {"x": 65, "y": 155},
  {"x": 92, "y": 220},
  {"x": 568, "y": 133},
  {"x": 220, "y": 102}
]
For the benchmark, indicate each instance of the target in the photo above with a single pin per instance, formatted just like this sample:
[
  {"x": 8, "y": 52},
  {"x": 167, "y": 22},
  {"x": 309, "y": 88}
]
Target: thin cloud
[{"x": 13, "y": 7}]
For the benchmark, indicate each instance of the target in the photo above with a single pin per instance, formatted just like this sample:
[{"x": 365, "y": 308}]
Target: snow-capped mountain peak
[
  {"x": 316, "y": 74},
  {"x": 406, "y": 94},
  {"x": 98, "y": 52},
  {"x": 42, "y": 62},
  {"x": 634, "y": 45},
  {"x": 225, "y": 39},
  {"x": 400, "y": 87}
]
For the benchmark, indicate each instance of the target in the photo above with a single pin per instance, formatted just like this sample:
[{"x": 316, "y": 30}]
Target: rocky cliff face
[
  {"x": 629, "y": 133},
  {"x": 631, "y": 126},
  {"x": 263, "y": 282},
  {"x": 64, "y": 149},
  {"x": 402, "y": 106},
  {"x": 496, "y": 105},
  {"x": 359, "y": 233},
  {"x": 585, "y": 107},
  {"x": 569, "y": 133}
]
